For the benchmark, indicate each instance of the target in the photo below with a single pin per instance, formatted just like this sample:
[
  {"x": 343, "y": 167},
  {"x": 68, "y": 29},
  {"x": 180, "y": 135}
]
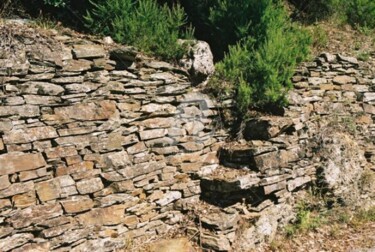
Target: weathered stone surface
[
  {"x": 91, "y": 111},
  {"x": 5, "y": 203},
  {"x": 316, "y": 81},
  {"x": 88, "y": 51},
  {"x": 220, "y": 221},
  {"x": 15, "y": 241},
  {"x": 17, "y": 161},
  {"x": 77, "y": 65},
  {"x": 344, "y": 79},
  {"x": 71, "y": 236},
  {"x": 34, "y": 215},
  {"x": 112, "y": 215},
  {"x": 68, "y": 79},
  {"x": 5, "y": 124},
  {"x": 351, "y": 60},
  {"x": 59, "y": 152},
  {"x": 41, "y": 100},
  {"x": 141, "y": 169},
  {"x": 40, "y": 88},
  {"x": 229, "y": 182},
  {"x": 118, "y": 198},
  {"x": 123, "y": 53},
  {"x": 90, "y": 185},
  {"x": 151, "y": 134},
  {"x": 368, "y": 97},
  {"x": 265, "y": 128},
  {"x": 193, "y": 128},
  {"x": 215, "y": 242},
  {"x": 117, "y": 159},
  {"x": 34, "y": 247},
  {"x": 17, "y": 188},
  {"x": 293, "y": 184},
  {"x": 21, "y": 111},
  {"x": 169, "y": 197},
  {"x": 269, "y": 160},
  {"x": 123, "y": 186},
  {"x": 48, "y": 190},
  {"x": 24, "y": 200},
  {"x": 162, "y": 109},
  {"x": 55, "y": 231},
  {"x": 28, "y": 135},
  {"x": 274, "y": 187},
  {"x": 201, "y": 61},
  {"x": 4, "y": 182},
  {"x": 77, "y": 204},
  {"x": 104, "y": 245}
]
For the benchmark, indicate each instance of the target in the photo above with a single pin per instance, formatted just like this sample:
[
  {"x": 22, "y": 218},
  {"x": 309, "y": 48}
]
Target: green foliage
[
  {"x": 319, "y": 36},
  {"x": 265, "y": 56},
  {"x": 145, "y": 24},
  {"x": 306, "y": 220},
  {"x": 361, "y": 13},
  {"x": 56, "y": 3}
]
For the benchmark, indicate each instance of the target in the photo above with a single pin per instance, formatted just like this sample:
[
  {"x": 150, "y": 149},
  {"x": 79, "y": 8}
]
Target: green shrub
[
  {"x": 265, "y": 57},
  {"x": 361, "y": 13},
  {"x": 306, "y": 220},
  {"x": 145, "y": 24}
]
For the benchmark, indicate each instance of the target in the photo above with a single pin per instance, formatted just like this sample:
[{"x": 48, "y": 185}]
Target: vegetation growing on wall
[
  {"x": 152, "y": 28},
  {"x": 254, "y": 42},
  {"x": 260, "y": 65}
]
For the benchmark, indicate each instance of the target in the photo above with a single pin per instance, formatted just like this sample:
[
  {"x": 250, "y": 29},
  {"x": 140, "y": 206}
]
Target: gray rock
[
  {"x": 88, "y": 51},
  {"x": 199, "y": 62},
  {"x": 221, "y": 221},
  {"x": 40, "y": 88},
  {"x": 169, "y": 197},
  {"x": 351, "y": 60},
  {"x": 15, "y": 241},
  {"x": 215, "y": 242}
]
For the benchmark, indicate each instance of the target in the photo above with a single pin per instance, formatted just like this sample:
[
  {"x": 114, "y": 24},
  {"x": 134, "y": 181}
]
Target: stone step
[
  {"x": 267, "y": 127},
  {"x": 260, "y": 156}
]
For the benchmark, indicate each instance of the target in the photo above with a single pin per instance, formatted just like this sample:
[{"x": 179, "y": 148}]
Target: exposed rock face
[
  {"x": 100, "y": 145},
  {"x": 343, "y": 164}
]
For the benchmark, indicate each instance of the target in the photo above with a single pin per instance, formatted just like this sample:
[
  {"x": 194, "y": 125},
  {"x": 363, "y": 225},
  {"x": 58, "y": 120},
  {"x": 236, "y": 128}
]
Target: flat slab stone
[
  {"x": 17, "y": 161},
  {"x": 90, "y": 111},
  {"x": 40, "y": 88},
  {"x": 34, "y": 215},
  {"x": 28, "y": 135},
  {"x": 88, "y": 51}
]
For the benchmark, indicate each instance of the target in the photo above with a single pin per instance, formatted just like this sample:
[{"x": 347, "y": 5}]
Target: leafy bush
[
  {"x": 265, "y": 57},
  {"x": 153, "y": 28},
  {"x": 361, "y": 13}
]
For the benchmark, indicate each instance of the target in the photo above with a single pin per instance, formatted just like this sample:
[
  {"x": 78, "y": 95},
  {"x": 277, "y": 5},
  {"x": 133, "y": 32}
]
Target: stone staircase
[{"x": 255, "y": 177}]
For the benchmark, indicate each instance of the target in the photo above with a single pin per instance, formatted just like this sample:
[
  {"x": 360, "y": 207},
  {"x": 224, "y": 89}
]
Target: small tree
[{"x": 260, "y": 65}]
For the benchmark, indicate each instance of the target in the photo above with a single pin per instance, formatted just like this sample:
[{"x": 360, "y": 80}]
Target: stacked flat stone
[
  {"x": 96, "y": 143},
  {"x": 100, "y": 145}
]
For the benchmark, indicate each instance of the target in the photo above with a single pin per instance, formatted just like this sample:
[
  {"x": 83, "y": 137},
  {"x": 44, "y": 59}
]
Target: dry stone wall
[
  {"x": 325, "y": 138},
  {"x": 95, "y": 144},
  {"x": 101, "y": 146}
]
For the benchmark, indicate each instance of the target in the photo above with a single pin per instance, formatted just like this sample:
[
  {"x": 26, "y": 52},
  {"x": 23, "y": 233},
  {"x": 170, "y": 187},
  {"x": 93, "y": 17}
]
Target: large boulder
[{"x": 199, "y": 61}]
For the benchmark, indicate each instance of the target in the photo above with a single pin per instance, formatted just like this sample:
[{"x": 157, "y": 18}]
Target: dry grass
[{"x": 344, "y": 230}]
